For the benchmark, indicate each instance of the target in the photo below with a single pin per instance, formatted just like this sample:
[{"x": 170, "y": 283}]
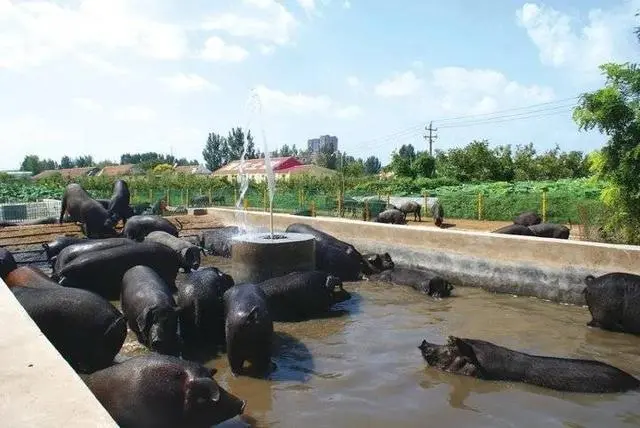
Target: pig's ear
[{"x": 588, "y": 279}]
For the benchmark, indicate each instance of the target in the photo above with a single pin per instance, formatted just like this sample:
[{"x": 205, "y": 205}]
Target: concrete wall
[
  {"x": 541, "y": 267},
  {"x": 39, "y": 388}
]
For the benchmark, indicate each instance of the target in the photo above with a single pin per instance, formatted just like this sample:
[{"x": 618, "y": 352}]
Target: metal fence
[{"x": 18, "y": 212}]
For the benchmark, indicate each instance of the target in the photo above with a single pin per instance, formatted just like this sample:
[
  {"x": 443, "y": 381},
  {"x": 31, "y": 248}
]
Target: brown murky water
[{"x": 363, "y": 369}]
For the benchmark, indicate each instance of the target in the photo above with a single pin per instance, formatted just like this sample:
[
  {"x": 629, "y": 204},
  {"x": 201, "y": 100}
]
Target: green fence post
[{"x": 544, "y": 205}]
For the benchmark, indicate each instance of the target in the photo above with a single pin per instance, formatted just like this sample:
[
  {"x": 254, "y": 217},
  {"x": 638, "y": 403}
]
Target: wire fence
[{"x": 558, "y": 207}]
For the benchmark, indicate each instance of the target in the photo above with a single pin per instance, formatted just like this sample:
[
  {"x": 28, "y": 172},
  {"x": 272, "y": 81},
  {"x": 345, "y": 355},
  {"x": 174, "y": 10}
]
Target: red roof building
[{"x": 255, "y": 168}]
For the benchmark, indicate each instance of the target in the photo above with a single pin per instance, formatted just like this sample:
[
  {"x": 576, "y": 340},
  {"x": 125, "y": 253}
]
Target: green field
[{"x": 566, "y": 200}]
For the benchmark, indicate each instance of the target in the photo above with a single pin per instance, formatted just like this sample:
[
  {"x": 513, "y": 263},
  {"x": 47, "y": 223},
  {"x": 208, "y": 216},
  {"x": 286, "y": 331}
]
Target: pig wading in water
[
  {"x": 614, "y": 301},
  {"x": 160, "y": 391},
  {"x": 484, "y": 360},
  {"x": 302, "y": 295},
  {"x": 248, "y": 329}
]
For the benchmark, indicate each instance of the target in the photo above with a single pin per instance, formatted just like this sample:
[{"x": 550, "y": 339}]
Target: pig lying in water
[
  {"x": 485, "y": 360},
  {"x": 420, "y": 280}
]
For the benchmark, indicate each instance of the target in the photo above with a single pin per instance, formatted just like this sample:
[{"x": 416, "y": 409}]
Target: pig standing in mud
[
  {"x": 189, "y": 254},
  {"x": 614, "y": 301},
  {"x": 7, "y": 262},
  {"x": 392, "y": 216},
  {"x": 119, "y": 208},
  {"x": 102, "y": 271},
  {"x": 85, "y": 328},
  {"x": 84, "y": 247},
  {"x": 485, "y": 360},
  {"x": 139, "y": 226},
  {"x": 160, "y": 391},
  {"x": 53, "y": 248},
  {"x": 334, "y": 256},
  {"x": 248, "y": 329},
  {"x": 217, "y": 242},
  {"x": 150, "y": 310},
  {"x": 200, "y": 299},
  {"x": 95, "y": 219},
  {"x": 302, "y": 295}
]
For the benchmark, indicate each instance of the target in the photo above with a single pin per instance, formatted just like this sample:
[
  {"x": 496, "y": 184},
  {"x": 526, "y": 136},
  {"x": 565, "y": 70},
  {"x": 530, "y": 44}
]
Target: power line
[
  {"x": 447, "y": 119},
  {"x": 501, "y": 120},
  {"x": 498, "y": 117},
  {"x": 515, "y": 116}
]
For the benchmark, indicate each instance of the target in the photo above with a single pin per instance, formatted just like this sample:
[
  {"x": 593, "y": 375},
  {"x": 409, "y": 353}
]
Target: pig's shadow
[
  {"x": 292, "y": 359},
  {"x": 202, "y": 352}
]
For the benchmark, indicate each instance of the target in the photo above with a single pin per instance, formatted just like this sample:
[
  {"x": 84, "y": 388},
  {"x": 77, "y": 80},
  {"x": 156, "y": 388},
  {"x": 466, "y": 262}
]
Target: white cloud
[
  {"x": 278, "y": 102},
  {"x": 190, "y": 82},
  {"x": 459, "y": 90},
  {"x": 102, "y": 65},
  {"x": 346, "y": 4},
  {"x": 87, "y": 104},
  {"x": 216, "y": 49},
  {"x": 35, "y": 32},
  {"x": 263, "y": 20},
  {"x": 267, "y": 49},
  {"x": 417, "y": 64},
  {"x": 353, "y": 81},
  {"x": 349, "y": 112},
  {"x": 608, "y": 36},
  {"x": 134, "y": 114},
  {"x": 308, "y": 5},
  {"x": 399, "y": 85}
]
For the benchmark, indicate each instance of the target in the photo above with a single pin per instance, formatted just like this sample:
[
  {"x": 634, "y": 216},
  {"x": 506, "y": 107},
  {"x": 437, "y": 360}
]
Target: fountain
[{"x": 258, "y": 256}]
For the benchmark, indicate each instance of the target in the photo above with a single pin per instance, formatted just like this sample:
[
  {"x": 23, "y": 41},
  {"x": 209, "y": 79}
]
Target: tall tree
[
  {"x": 235, "y": 145},
  {"x": 615, "y": 111},
  {"x": 424, "y": 165},
  {"x": 212, "y": 153},
  {"x": 31, "y": 163},
  {"x": 83, "y": 161},
  {"x": 327, "y": 157},
  {"x": 65, "y": 162},
  {"x": 372, "y": 165}
]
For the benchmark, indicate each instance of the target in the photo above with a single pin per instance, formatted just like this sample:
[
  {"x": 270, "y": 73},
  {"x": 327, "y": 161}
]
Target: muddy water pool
[{"x": 362, "y": 368}]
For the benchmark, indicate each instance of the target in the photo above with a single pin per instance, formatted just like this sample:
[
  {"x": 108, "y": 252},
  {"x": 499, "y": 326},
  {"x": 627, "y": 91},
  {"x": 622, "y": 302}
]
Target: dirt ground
[{"x": 23, "y": 237}]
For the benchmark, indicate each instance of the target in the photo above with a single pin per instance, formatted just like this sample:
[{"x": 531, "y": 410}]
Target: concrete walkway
[{"x": 37, "y": 386}]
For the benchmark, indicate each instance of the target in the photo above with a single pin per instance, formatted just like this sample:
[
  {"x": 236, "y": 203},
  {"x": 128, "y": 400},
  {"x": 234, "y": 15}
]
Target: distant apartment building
[{"x": 315, "y": 144}]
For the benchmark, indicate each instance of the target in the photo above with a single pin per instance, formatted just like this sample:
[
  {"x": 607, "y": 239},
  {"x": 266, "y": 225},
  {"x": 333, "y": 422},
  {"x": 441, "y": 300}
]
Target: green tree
[
  {"x": 212, "y": 153},
  {"x": 31, "y": 163},
  {"x": 65, "y": 162},
  {"x": 326, "y": 157},
  {"x": 424, "y": 165},
  {"x": 83, "y": 161},
  {"x": 615, "y": 111},
  {"x": 235, "y": 145},
  {"x": 372, "y": 165},
  {"x": 401, "y": 165}
]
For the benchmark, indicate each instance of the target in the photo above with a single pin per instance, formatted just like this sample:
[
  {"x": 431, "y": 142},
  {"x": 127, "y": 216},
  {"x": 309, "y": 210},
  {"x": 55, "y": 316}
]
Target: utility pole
[{"x": 431, "y": 137}]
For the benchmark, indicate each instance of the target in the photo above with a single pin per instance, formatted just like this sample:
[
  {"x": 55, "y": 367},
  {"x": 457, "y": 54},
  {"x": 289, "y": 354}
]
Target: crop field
[{"x": 562, "y": 201}]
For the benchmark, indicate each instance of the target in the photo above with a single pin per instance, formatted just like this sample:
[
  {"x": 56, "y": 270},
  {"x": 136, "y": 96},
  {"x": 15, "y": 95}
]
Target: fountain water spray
[{"x": 256, "y": 256}]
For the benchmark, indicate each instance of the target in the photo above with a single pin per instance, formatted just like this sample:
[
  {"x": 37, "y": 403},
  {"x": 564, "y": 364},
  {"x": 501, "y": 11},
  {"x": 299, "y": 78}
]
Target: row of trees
[
  {"x": 479, "y": 162},
  {"x": 146, "y": 161}
]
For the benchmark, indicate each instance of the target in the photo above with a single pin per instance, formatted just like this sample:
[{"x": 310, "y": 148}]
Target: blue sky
[{"x": 103, "y": 77}]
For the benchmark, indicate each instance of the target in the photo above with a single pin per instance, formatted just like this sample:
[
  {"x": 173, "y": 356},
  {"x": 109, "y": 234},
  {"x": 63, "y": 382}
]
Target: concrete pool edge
[
  {"x": 550, "y": 269},
  {"x": 38, "y": 387}
]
